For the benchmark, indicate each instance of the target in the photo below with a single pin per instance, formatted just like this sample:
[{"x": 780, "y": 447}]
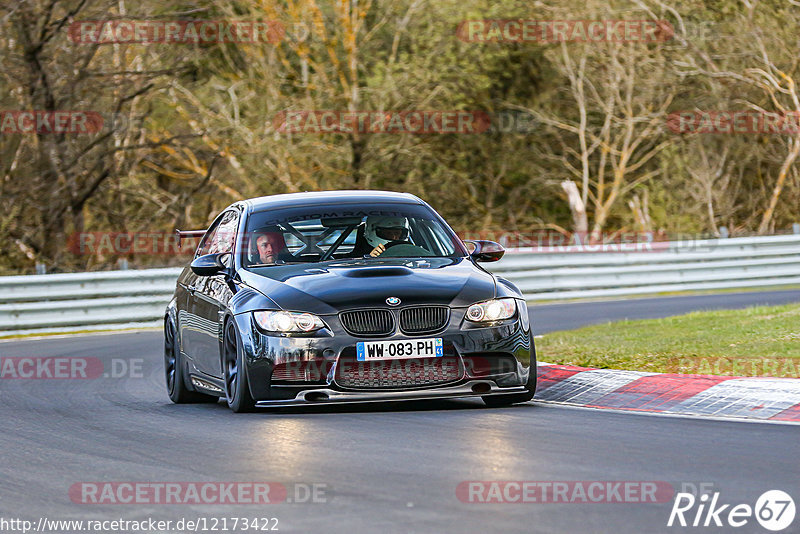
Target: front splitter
[{"x": 315, "y": 397}]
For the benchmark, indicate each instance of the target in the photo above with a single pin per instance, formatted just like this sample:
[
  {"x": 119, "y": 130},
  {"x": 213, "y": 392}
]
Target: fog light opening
[
  {"x": 315, "y": 396},
  {"x": 481, "y": 387}
]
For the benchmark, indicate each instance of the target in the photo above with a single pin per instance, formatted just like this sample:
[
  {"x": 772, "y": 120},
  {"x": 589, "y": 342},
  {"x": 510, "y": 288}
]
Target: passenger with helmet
[{"x": 381, "y": 230}]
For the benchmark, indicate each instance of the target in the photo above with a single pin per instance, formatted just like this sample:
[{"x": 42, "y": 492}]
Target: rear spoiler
[{"x": 182, "y": 234}]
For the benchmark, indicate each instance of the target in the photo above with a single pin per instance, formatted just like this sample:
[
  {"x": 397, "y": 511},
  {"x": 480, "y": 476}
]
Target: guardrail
[
  {"x": 84, "y": 301},
  {"x": 124, "y": 299},
  {"x": 676, "y": 266}
]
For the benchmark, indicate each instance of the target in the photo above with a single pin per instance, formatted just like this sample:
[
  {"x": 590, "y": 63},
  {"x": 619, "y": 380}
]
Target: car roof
[{"x": 330, "y": 197}]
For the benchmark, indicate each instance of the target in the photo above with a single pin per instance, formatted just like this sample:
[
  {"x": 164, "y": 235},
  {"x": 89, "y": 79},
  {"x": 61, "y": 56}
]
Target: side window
[
  {"x": 222, "y": 236},
  {"x": 437, "y": 238}
]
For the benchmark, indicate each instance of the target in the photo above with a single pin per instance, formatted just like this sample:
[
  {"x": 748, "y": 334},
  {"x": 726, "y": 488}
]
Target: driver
[
  {"x": 269, "y": 246},
  {"x": 381, "y": 230}
]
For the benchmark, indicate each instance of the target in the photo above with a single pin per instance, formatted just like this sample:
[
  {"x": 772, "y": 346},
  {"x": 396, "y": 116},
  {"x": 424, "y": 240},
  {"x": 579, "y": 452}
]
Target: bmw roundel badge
[{"x": 393, "y": 301}]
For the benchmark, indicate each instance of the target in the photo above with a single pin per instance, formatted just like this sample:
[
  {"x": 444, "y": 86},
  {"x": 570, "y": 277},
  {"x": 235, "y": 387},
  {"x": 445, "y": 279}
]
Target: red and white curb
[{"x": 767, "y": 399}]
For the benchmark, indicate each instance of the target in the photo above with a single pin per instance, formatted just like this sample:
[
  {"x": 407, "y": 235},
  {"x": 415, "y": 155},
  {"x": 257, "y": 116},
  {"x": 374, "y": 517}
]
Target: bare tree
[
  {"x": 611, "y": 139},
  {"x": 756, "y": 57},
  {"x": 54, "y": 175}
]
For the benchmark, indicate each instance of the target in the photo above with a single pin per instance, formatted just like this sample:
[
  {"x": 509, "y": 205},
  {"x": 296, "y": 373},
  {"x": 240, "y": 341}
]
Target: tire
[
  {"x": 237, "y": 388},
  {"x": 496, "y": 401},
  {"x": 173, "y": 371}
]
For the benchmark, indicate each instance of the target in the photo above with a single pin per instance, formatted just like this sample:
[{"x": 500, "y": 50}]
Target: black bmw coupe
[{"x": 345, "y": 296}]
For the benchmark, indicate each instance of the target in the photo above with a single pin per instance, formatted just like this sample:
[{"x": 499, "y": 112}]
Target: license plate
[{"x": 399, "y": 350}]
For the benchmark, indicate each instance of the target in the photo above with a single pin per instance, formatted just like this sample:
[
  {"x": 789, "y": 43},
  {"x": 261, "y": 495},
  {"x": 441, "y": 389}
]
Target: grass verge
[{"x": 757, "y": 341}]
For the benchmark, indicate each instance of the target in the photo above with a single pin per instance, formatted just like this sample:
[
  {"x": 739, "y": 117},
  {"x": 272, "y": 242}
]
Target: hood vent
[{"x": 373, "y": 272}]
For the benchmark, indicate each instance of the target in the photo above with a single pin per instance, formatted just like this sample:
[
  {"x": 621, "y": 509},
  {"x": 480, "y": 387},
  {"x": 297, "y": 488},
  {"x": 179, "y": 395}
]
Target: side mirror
[
  {"x": 210, "y": 264},
  {"x": 486, "y": 251}
]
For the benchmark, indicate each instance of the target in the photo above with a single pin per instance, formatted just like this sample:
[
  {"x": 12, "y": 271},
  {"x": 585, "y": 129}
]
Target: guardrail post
[
  {"x": 41, "y": 268},
  {"x": 723, "y": 232},
  {"x": 796, "y": 228}
]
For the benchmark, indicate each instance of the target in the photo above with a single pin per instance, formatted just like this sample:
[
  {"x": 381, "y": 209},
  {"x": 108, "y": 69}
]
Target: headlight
[
  {"x": 286, "y": 322},
  {"x": 492, "y": 310}
]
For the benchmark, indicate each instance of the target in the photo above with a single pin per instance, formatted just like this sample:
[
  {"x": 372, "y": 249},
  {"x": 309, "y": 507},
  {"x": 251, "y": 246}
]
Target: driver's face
[
  {"x": 266, "y": 249},
  {"x": 392, "y": 234}
]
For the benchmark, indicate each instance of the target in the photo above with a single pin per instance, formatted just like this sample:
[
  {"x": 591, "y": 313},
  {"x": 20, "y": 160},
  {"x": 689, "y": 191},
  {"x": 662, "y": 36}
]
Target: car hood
[{"x": 334, "y": 286}]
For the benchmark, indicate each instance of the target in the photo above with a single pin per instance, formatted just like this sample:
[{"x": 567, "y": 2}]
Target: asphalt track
[
  {"x": 566, "y": 316},
  {"x": 393, "y": 468}
]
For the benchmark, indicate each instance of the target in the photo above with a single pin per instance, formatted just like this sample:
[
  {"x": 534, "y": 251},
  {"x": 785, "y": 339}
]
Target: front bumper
[{"x": 510, "y": 341}]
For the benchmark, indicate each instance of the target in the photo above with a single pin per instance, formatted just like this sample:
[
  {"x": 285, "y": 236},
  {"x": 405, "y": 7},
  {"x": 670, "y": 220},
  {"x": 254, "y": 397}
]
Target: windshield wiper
[{"x": 276, "y": 263}]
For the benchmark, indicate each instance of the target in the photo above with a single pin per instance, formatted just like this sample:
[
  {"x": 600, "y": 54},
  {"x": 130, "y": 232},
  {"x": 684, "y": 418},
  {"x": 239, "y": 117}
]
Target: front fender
[
  {"x": 506, "y": 288},
  {"x": 171, "y": 314},
  {"x": 258, "y": 369},
  {"x": 247, "y": 299}
]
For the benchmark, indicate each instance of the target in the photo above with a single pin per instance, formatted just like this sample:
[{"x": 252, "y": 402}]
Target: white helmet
[{"x": 383, "y": 229}]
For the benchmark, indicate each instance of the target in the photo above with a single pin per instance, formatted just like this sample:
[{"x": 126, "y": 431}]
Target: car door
[
  {"x": 210, "y": 297},
  {"x": 190, "y": 325},
  {"x": 186, "y": 284}
]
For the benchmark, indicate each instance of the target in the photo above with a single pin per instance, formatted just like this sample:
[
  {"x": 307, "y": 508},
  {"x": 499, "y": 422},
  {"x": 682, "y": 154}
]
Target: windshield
[{"x": 333, "y": 232}]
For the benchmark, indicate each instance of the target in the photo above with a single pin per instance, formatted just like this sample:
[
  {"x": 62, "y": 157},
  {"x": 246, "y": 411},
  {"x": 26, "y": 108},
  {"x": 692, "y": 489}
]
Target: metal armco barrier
[
  {"x": 84, "y": 301},
  {"x": 572, "y": 272},
  {"x": 125, "y": 299}
]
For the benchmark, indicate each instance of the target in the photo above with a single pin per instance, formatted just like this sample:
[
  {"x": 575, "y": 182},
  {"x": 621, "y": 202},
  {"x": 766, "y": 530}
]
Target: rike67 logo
[{"x": 774, "y": 510}]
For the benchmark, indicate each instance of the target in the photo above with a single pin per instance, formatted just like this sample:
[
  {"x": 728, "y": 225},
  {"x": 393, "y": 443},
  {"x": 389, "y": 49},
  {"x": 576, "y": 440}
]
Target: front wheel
[
  {"x": 173, "y": 370},
  {"x": 237, "y": 389},
  {"x": 495, "y": 401}
]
